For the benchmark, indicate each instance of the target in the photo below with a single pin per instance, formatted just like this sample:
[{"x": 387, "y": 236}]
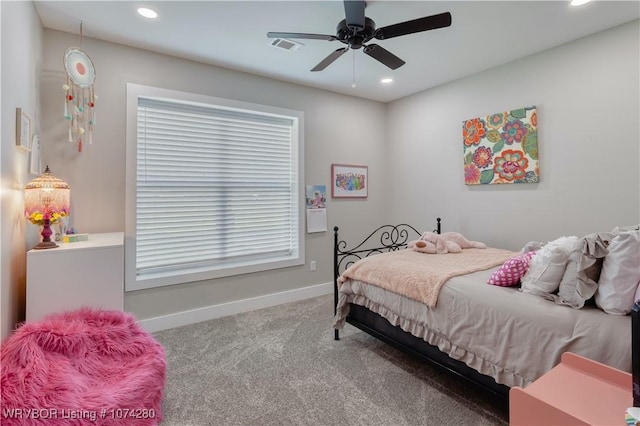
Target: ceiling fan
[{"x": 357, "y": 29}]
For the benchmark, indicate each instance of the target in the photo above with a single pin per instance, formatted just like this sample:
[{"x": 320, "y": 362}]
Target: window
[{"x": 213, "y": 188}]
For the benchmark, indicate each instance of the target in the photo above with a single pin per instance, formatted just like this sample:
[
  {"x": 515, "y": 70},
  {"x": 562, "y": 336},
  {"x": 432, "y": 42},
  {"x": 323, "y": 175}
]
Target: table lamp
[{"x": 46, "y": 201}]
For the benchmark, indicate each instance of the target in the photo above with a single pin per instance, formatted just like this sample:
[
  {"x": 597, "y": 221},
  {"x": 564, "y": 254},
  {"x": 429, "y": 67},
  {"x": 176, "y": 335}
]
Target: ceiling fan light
[
  {"x": 147, "y": 13},
  {"x": 579, "y": 2},
  {"x": 356, "y": 30}
]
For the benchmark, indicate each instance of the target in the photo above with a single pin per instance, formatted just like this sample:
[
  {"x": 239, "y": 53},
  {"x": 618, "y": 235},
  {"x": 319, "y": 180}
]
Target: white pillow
[
  {"x": 619, "y": 229},
  {"x": 618, "y": 283},
  {"x": 547, "y": 267},
  {"x": 532, "y": 246},
  {"x": 580, "y": 280}
]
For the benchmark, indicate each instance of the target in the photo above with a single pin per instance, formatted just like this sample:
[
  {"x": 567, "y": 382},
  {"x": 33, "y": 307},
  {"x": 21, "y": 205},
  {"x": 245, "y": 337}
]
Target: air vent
[{"x": 284, "y": 44}]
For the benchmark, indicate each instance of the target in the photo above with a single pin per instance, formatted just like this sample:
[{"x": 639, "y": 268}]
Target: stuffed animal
[
  {"x": 433, "y": 243},
  {"x": 459, "y": 239},
  {"x": 448, "y": 242},
  {"x": 422, "y": 246}
]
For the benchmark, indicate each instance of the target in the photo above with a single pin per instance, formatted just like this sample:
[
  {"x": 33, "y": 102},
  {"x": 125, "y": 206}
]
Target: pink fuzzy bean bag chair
[{"x": 84, "y": 367}]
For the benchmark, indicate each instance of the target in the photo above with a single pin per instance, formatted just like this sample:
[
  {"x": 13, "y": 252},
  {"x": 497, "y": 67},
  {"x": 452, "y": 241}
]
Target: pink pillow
[{"x": 511, "y": 271}]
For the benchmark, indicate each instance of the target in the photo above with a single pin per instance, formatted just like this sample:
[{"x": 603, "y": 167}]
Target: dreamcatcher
[{"x": 80, "y": 98}]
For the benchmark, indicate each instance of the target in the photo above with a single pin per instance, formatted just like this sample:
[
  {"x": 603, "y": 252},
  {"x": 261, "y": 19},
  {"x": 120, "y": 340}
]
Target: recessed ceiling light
[
  {"x": 147, "y": 13},
  {"x": 386, "y": 80},
  {"x": 579, "y": 2}
]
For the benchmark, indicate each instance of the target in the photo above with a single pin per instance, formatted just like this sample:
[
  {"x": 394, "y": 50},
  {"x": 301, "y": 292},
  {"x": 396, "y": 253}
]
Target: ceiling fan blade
[
  {"x": 354, "y": 11},
  {"x": 301, "y": 35},
  {"x": 383, "y": 55},
  {"x": 415, "y": 26},
  {"x": 329, "y": 59}
]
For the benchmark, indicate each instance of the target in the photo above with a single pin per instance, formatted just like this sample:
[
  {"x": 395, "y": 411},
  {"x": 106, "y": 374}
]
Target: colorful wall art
[
  {"x": 348, "y": 181},
  {"x": 501, "y": 148}
]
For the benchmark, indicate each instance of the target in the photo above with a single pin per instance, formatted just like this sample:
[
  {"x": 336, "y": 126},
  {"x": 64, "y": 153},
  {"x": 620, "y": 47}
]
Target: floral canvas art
[{"x": 501, "y": 148}]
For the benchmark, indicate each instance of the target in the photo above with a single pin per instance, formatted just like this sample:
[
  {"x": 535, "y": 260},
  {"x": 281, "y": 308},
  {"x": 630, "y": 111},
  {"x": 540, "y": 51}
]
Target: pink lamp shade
[{"x": 46, "y": 201}]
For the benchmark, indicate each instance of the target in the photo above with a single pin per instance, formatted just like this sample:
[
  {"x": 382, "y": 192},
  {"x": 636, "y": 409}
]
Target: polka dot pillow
[{"x": 511, "y": 271}]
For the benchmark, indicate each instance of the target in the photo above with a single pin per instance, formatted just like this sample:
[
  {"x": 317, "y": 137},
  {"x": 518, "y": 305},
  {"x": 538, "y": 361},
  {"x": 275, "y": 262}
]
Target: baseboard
[{"x": 236, "y": 307}]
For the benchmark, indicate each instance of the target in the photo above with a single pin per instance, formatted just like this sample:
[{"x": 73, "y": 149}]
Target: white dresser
[{"x": 85, "y": 273}]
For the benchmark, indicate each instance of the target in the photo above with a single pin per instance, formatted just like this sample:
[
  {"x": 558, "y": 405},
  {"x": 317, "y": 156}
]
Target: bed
[{"x": 496, "y": 337}]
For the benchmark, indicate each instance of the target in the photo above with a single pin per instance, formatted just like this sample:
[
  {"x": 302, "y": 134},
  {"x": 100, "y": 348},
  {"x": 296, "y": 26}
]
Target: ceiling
[{"x": 232, "y": 34}]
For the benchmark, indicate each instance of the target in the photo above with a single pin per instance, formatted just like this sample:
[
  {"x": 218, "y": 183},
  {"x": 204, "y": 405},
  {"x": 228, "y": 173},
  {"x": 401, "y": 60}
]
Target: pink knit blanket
[{"x": 420, "y": 277}]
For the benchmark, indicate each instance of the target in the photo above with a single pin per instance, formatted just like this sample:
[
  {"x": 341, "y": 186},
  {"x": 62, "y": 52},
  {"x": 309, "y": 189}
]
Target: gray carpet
[{"x": 281, "y": 366}]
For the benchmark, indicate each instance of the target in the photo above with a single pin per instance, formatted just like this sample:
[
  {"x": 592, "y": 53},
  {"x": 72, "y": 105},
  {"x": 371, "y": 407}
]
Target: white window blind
[{"x": 216, "y": 187}]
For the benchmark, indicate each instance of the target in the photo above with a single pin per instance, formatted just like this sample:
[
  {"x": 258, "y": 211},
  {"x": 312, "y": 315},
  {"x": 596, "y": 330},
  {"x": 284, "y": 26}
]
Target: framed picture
[
  {"x": 349, "y": 181},
  {"x": 35, "y": 162},
  {"x": 501, "y": 148},
  {"x": 23, "y": 129}
]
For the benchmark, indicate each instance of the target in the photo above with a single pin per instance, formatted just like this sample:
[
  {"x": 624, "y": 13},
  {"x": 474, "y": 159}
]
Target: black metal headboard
[{"x": 386, "y": 238}]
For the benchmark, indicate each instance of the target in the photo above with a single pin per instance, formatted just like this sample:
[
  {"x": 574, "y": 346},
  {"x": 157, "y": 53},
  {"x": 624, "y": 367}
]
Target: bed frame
[{"x": 395, "y": 237}]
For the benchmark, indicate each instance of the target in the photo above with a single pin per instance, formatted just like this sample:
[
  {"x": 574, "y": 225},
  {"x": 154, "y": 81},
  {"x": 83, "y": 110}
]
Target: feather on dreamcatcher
[{"x": 80, "y": 98}]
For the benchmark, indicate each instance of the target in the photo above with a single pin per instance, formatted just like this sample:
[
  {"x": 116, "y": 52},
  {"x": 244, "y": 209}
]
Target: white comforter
[{"x": 499, "y": 331}]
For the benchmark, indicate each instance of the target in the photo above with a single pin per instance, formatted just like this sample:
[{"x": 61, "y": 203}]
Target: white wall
[
  {"x": 21, "y": 36},
  {"x": 587, "y": 94},
  {"x": 587, "y": 98},
  {"x": 338, "y": 129}
]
